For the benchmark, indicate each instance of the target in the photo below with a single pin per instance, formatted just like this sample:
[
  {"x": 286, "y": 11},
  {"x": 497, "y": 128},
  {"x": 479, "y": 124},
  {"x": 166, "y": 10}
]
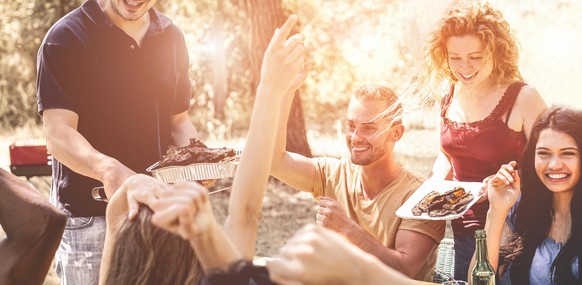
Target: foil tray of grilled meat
[
  {"x": 195, "y": 162},
  {"x": 440, "y": 200}
]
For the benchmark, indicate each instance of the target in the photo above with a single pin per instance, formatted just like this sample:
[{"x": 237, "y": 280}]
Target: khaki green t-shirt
[{"x": 340, "y": 179}]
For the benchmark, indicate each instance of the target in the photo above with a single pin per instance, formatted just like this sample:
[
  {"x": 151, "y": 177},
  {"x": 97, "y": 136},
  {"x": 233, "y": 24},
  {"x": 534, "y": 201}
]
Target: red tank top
[{"x": 478, "y": 149}]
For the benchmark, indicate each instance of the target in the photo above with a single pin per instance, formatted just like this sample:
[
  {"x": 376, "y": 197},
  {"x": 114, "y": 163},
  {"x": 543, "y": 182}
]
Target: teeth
[
  {"x": 467, "y": 76},
  {"x": 557, "y": 175},
  {"x": 133, "y": 3},
  {"x": 359, "y": 148}
]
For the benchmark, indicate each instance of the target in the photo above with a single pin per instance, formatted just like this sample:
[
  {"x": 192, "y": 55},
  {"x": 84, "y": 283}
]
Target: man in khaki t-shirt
[
  {"x": 339, "y": 179},
  {"x": 358, "y": 197}
]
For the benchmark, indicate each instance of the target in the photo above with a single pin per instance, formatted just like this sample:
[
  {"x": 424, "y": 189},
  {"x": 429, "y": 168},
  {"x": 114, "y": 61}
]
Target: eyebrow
[
  {"x": 473, "y": 53},
  {"x": 363, "y": 123},
  {"x": 562, "y": 149}
]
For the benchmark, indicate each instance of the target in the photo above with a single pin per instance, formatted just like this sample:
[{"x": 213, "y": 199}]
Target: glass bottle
[{"x": 482, "y": 273}]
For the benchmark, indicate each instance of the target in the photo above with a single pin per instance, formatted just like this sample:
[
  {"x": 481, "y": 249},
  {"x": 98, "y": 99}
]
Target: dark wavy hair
[
  {"x": 146, "y": 254},
  {"x": 533, "y": 215}
]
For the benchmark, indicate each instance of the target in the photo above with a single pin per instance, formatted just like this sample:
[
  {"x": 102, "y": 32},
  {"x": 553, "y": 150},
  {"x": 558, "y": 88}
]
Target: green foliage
[{"x": 22, "y": 27}]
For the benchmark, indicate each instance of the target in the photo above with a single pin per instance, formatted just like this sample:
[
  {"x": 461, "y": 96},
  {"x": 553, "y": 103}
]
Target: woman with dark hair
[
  {"x": 536, "y": 238},
  {"x": 470, "y": 67}
]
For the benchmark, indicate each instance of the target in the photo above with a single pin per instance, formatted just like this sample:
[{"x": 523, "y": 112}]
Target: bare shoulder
[{"x": 529, "y": 102}]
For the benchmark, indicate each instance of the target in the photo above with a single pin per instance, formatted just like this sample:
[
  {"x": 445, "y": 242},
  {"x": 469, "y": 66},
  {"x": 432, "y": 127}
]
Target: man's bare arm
[
  {"x": 182, "y": 129},
  {"x": 410, "y": 252},
  {"x": 292, "y": 169},
  {"x": 67, "y": 145}
]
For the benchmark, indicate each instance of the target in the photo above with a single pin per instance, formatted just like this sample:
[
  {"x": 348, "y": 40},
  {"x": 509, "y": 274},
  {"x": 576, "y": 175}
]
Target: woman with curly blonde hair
[{"x": 470, "y": 66}]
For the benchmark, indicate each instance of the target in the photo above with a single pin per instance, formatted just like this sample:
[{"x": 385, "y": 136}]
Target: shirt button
[{"x": 132, "y": 46}]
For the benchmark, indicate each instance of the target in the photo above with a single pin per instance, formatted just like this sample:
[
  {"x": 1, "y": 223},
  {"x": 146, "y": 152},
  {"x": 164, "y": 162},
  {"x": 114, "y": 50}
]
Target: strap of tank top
[
  {"x": 513, "y": 90},
  {"x": 447, "y": 101}
]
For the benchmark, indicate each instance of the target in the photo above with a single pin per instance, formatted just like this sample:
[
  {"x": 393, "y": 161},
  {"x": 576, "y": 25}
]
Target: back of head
[
  {"x": 145, "y": 254},
  {"x": 386, "y": 96},
  {"x": 478, "y": 18}
]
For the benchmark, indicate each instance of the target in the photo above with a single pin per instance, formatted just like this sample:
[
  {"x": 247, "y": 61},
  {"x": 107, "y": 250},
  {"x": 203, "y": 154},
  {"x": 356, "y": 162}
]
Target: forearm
[
  {"x": 182, "y": 129},
  {"x": 280, "y": 151},
  {"x": 373, "y": 272},
  {"x": 369, "y": 244},
  {"x": 249, "y": 183},
  {"x": 494, "y": 229},
  {"x": 214, "y": 249},
  {"x": 73, "y": 150}
]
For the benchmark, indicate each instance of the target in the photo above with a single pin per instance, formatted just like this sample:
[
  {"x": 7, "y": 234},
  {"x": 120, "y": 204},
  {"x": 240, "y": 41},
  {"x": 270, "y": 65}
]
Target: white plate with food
[{"x": 440, "y": 200}]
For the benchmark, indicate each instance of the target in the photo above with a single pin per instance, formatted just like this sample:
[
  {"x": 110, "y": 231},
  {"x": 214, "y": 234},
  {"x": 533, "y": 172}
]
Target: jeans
[
  {"x": 464, "y": 249},
  {"x": 79, "y": 254}
]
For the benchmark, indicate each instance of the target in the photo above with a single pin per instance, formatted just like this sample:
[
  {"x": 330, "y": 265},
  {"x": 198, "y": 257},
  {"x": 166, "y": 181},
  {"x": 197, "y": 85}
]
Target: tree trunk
[
  {"x": 265, "y": 16},
  {"x": 219, "y": 68}
]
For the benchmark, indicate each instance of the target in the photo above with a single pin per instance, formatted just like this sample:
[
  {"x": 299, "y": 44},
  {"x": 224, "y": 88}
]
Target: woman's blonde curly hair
[{"x": 477, "y": 18}]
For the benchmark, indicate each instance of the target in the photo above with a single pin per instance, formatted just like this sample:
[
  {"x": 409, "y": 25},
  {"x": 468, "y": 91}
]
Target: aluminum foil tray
[{"x": 193, "y": 172}]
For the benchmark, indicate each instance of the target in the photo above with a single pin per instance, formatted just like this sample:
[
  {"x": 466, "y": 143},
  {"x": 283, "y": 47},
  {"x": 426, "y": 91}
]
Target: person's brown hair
[{"x": 145, "y": 254}]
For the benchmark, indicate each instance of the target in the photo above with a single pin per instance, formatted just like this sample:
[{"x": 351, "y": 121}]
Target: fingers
[
  {"x": 133, "y": 208},
  {"x": 505, "y": 175},
  {"x": 284, "y": 31},
  {"x": 177, "y": 209}
]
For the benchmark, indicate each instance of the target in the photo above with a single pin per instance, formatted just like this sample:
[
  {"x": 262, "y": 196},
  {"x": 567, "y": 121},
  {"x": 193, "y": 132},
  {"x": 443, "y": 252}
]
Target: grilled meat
[
  {"x": 195, "y": 152},
  {"x": 437, "y": 205}
]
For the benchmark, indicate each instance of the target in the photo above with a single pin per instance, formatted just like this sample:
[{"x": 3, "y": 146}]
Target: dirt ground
[{"x": 285, "y": 210}]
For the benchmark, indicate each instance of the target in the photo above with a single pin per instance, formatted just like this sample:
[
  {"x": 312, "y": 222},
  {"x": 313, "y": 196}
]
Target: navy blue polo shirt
[{"x": 123, "y": 94}]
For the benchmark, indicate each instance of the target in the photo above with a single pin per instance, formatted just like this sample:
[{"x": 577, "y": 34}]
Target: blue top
[
  {"x": 539, "y": 272},
  {"x": 546, "y": 253}
]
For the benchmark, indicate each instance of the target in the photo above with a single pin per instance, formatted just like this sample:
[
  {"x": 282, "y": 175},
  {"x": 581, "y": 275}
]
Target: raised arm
[
  {"x": 291, "y": 168},
  {"x": 503, "y": 190},
  {"x": 67, "y": 145},
  {"x": 33, "y": 230},
  {"x": 281, "y": 71}
]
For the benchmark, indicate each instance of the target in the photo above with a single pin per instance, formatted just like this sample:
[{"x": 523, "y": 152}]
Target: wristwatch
[{"x": 98, "y": 194}]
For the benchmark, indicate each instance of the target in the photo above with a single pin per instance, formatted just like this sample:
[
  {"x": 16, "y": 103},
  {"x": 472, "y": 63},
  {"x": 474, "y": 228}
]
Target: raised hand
[
  {"x": 283, "y": 62},
  {"x": 184, "y": 210},
  {"x": 331, "y": 215},
  {"x": 504, "y": 188}
]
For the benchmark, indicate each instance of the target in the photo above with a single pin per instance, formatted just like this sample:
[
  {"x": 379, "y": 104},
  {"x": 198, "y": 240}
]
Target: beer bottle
[{"x": 482, "y": 273}]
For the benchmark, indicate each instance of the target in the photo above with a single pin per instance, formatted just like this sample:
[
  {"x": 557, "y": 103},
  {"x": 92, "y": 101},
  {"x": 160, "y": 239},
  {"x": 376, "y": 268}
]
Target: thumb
[{"x": 133, "y": 207}]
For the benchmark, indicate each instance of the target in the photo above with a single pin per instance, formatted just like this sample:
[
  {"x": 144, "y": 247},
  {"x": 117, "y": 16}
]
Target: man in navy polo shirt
[{"x": 113, "y": 90}]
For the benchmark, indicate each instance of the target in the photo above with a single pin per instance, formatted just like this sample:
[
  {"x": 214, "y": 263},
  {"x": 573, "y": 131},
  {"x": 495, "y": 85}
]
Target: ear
[{"x": 397, "y": 132}]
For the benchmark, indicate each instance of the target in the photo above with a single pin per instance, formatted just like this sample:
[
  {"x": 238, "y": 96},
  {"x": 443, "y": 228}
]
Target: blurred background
[{"x": 350, "y": 42}]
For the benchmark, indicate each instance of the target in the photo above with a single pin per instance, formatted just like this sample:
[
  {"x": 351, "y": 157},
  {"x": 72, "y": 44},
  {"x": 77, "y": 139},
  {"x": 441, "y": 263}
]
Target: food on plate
[
  {"x": 195, "y": 152},
  {"x": 451, "y": 202}
]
